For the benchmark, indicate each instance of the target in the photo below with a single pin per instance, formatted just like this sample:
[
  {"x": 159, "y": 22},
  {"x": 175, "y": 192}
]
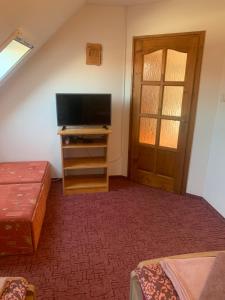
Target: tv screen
[{"x": 83, "y": 109}]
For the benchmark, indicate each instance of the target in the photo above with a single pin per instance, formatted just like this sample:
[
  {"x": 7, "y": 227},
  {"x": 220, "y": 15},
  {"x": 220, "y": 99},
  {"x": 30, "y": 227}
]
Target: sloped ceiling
[
  {"x": 120, "y": 2},
  {"x": 38, "y": 19}
]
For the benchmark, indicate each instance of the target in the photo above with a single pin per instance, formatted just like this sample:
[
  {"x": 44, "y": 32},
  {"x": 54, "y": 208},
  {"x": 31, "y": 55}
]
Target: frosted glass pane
[
  {"x": 153, "y": 66},
  {"x": 147, "y": 134},
  {"x": 150, "y": 99},
  {"x": 169, "y": 133},
  {"x": 11, "y": 55},
  {"x": 175, "y": 65},
  {"x": 172, "y": 100}
]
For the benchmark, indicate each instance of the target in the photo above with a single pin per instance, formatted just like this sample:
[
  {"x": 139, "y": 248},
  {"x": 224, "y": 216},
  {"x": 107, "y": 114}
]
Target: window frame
[{"x": 18, "y": 37}]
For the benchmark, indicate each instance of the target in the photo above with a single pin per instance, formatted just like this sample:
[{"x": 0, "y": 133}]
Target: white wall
[
  {"x": 184, "y": 16},
  {"x": 28, "y": 129},
  {"x": 36, "y": 20},
  {"x": 215, "y": 180}
]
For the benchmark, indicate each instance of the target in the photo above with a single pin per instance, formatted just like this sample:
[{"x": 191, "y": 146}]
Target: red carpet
[{"x": 90, "y": 243}]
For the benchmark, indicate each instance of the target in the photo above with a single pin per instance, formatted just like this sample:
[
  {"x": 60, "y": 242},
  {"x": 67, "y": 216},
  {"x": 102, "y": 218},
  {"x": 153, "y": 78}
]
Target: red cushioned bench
[
  {"x": 23, "y": 172},
  {"x": 24, "y": 188}
]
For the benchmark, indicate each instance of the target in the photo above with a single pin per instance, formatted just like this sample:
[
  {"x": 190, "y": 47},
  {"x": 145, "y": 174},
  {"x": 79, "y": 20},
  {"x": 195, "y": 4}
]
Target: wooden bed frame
[
  {"x": 31, "y": 294},
  {"x": 135, "y": 289}
]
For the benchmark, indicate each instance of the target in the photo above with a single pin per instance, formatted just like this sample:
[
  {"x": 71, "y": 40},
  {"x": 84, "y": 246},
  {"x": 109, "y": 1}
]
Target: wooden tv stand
[{"x": 87, "y": 139}]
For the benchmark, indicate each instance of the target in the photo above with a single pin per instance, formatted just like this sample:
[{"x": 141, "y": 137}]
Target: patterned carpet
[{"x": 90, "y": 243}]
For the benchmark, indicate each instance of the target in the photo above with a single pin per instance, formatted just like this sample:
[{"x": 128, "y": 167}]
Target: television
[{"x": 83, "y": 109}]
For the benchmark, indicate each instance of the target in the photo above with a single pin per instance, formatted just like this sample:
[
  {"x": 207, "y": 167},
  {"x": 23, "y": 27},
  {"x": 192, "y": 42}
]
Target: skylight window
[{"x": 12, "y": 54}]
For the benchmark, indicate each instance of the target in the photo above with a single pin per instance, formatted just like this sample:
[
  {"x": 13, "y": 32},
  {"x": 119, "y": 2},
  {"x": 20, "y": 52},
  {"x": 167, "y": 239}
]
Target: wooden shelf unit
[
  {"x": 84, "y": 163},
  {"x": 89, "y": 139},
  {"x": 88, "y": 183},
  {"x": 81, "y": 145}
]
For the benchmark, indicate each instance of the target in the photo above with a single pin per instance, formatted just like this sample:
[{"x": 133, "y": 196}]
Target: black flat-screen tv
[{"x": 83, "y": 109}]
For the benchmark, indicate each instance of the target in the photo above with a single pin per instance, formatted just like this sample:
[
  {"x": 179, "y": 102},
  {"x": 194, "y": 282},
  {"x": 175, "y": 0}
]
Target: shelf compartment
[
  {"x": 85, "y": 145},
  {"x": 84, "y": 163},
  {"x": 84, "y": 160},
  {"x": 84, "y": 131},
  {"x": 85, "y": 182}
]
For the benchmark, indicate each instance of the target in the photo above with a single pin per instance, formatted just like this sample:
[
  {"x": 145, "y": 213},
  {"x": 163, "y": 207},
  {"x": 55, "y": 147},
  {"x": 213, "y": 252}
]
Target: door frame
[{"x": 194, "y": 99}]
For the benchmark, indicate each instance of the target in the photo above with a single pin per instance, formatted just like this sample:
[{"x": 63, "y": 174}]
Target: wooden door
[{"x": 165, "y": 85}]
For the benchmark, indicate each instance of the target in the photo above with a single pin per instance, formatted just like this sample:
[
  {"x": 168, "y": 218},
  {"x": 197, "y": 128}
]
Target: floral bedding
[
  {"x": 14, "y": 289},
  {"x": 155, "y": 284}
]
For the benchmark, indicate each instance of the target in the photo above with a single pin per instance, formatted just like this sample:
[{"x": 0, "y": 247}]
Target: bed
[
  {"x": 24, "y": 188},
  {"x": 135, "y": 288}
]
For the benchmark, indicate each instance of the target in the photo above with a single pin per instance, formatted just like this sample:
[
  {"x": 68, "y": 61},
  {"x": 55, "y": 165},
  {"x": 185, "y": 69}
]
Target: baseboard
[
  {"x": 210, "y": 206},
  {"x": 118, "y": 176},
  {"x": 54, "y": 179},
  {"x": 194, "y": 196}
]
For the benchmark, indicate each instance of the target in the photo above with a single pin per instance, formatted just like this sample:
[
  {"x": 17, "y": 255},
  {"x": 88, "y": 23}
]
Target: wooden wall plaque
[{"x": 94, "y": 54}]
